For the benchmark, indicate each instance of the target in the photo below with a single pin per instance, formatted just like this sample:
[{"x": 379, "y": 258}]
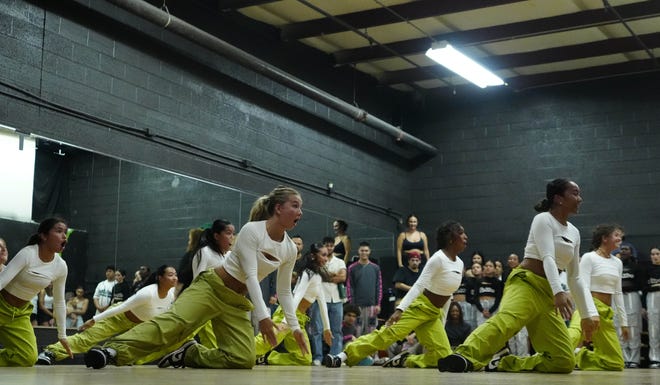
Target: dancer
[
  {"x": 307, "y": 291},
  {"x": 261, "y": 247},
  {"x": 601, "y": 272},
  {"x": 32, "y": 269},
  {"x": 422, "y": 310},
  {"x": 534, "y": 297},
  {"x": 155, "y": 297},
  {"x": 213, "y": 247}
]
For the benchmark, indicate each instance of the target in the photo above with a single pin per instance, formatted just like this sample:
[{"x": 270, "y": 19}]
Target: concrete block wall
[
  {"x": 88, "y": 63},
  {"x": 499, "y": 149}
]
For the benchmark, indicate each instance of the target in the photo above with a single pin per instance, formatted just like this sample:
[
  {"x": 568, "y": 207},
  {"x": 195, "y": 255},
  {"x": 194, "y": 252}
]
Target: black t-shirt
[
  {"x": 405, "y": 276},
  {"x": 120, "y": 292}
]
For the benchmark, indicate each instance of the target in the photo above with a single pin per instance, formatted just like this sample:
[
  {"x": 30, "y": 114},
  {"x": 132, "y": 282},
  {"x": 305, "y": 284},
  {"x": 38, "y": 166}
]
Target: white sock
[{"x": 342, "y": 356}]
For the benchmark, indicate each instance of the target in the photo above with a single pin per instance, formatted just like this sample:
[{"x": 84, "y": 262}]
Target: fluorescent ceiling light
[{"x": 462, "y": 65}]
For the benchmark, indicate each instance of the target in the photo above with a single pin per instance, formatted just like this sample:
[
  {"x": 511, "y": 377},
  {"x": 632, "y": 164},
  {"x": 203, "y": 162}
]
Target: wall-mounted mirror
[{"x": 127, "y": 214}]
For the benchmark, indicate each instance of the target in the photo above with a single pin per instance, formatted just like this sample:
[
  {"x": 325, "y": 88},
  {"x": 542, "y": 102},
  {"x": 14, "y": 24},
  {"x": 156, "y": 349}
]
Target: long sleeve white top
[
  {"x": 248, "y": 264},
  {"x": 603, "y": 275},
  {"x": 440, "y": 276},
  {"x": 206, "y": 258},
  {"x": 26, "y": 274},
  {"x": 309, "y": 287},
  {"x": 558, "y": 246},
  {"x": 145, "y": 304}
]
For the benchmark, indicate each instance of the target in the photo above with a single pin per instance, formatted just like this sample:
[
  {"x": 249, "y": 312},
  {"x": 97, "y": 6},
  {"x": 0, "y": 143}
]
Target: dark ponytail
[
  {"x": 555, "y": 187},
  {"x": 153, "y": 277},
  {"x": 309, "y": 262},
  {"x": 44, "y": 227}
]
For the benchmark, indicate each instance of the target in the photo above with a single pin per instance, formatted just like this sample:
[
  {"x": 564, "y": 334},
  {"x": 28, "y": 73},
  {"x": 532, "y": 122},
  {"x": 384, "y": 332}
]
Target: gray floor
[{"x": 290, "y": 375}]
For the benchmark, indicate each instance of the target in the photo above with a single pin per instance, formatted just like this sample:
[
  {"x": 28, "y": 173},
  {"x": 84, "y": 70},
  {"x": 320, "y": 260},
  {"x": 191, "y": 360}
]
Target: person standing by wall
[
  {"x": 76, "y": 308},
  {"x": 335, "y": 276},
  {"x": 342, "y": 245},
  {"x": 412, "y": 241},
  {"x": 121, "y": 290},
  {"x": 406, "y": 276},
  {"x": 631, "y": 283},
  {"x": 364, "y": 288},
  {"x": 487, "y": 293},
  {"x": 652, "y": 302},
  {"x": 103, "y": 292}
]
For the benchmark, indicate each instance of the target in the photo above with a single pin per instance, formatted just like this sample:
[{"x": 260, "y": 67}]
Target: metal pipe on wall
[{"x": 192, "y": 33}]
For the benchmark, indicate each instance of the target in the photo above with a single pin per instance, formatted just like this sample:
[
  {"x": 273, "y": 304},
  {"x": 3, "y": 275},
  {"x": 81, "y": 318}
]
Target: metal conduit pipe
[{"x": 192, "y": 33}]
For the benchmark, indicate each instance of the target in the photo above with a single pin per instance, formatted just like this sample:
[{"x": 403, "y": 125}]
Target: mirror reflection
[{"x": 129, "y": 215}]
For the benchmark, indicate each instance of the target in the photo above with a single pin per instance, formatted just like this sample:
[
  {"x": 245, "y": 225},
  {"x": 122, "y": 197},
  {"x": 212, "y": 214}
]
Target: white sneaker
[
  {"x": 316, "y": 363},
  {"x": 176, "y": 358},
  {"x": 495, "y": 361}
]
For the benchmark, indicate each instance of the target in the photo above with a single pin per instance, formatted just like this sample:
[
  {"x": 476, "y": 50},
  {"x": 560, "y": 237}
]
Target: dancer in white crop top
[
  {"x": 32, "y": 269},
  {"x": 155, "y": 297},
  {"x": 534, "y": 298},
  {"x": 422, "y": 310},
  {"x": 308, "y": 290},
  {"x": 602, "y": 272},
  {"x": 262, "y": 246}
]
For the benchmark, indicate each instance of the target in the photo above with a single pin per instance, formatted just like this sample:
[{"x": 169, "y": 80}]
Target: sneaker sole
[
  {"x": 454, "y": 364},
  {"x": 41, "y": 361},
  {"x": 175, "y": 357},
  {"x": 95, "y": 359},
  {"x": 397, "y": 361},
  {"x": 329, "y": 362}
]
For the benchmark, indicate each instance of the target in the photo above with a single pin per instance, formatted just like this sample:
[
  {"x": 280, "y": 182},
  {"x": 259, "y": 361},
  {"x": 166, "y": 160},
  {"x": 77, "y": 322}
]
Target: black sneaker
[
  {"x": 99, "y": 357},
  {"x": 331, "y": 361},
  {"x": 495, "y": 361},
  {"x": 397, "y": 361},
  {"x": 262, "y": 360},
  {"x": 45, "y": 358},
  {"x": 454, "y": 363},
  {"x": 175, "y": 359}
]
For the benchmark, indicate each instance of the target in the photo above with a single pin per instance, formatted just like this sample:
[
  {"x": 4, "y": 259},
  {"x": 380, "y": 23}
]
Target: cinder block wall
[
  {"x": 499, "y": 149},
  {"x": 161, "y": 91}
]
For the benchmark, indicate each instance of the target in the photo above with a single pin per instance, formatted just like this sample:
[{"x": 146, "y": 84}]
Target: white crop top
[
  {"x": 26, "y": 274},
  {"x": 558, "y": 246},
  {"x": 145, "y": 304},
  {"x": 206, "y": 258},
  {"x": 248, "y": 264},
  {"x": 440, "y": 276},
  {"x": 603, "y": 275},
  {"x": 311, "y": 289}
]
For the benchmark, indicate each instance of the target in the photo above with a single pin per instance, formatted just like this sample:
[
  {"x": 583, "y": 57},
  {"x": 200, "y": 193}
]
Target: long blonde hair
[{"x": 264, "y": 207}]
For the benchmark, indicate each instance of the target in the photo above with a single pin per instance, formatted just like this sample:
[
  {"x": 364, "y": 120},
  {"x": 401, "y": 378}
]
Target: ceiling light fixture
[{"x": 455, "y": 61}]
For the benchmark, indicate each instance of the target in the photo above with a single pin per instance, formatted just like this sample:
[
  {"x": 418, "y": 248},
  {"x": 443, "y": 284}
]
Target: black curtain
[{"x": 51, "y": 183}]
